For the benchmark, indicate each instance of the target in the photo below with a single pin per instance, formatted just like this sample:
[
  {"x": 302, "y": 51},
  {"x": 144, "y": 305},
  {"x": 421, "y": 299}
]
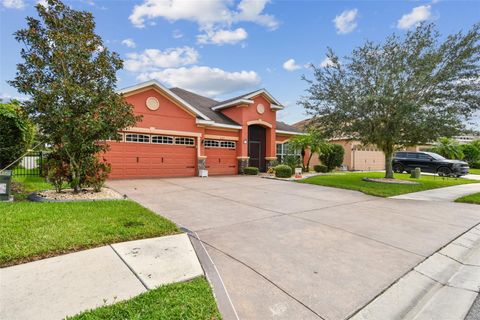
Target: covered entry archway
[{"x": 257, "y": 146}]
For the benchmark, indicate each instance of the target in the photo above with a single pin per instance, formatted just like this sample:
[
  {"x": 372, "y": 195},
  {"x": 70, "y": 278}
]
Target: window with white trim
[
  {"x": 284, "y": 149},
  {"x": 162, "y": 139},
  {"x": 185, "y": 141},
  {"x": 133, "y": 137},
  {"x": 211, "y": 143},
  {"x": 227, "y": 144},
  {"x": 114, "y": 138}
]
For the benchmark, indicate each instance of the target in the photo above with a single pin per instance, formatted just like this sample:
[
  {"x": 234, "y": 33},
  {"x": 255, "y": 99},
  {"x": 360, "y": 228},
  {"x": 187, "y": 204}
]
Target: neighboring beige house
[{"x": 357, "y": 157}]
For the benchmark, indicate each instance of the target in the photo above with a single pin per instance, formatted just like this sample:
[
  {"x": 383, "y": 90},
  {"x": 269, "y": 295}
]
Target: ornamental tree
[
  {"x": 311, "y": 140},
  {"x": 405, "y": 91},
  {"x": 70, "y": 77}
]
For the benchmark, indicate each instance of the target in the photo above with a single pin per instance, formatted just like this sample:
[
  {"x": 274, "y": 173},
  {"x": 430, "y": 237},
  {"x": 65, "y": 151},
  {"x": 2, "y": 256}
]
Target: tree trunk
[
  {"x": 388, "y": 164},
  {"x": 308, "y": 161},
  {"x": 302, "y": 154}
]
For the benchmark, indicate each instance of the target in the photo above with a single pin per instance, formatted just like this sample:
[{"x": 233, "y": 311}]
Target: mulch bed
[
  {"x": 67, "y": 195},
  {"x": 390, "y": 181}
]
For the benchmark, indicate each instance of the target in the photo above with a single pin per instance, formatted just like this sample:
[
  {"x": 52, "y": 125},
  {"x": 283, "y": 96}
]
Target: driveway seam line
[
  {"x": 129, "y": 267},
  {"x": 264, "y": 277}
]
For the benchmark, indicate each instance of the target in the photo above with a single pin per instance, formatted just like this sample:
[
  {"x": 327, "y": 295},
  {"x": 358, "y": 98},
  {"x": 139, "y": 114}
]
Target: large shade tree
[
  {"x": 70, "y": 77},
  {"x": 405, "y": 91}
]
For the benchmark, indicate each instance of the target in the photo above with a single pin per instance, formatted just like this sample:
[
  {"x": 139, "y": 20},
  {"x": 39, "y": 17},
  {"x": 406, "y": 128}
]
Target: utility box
[{"x": 5, "y": 185}]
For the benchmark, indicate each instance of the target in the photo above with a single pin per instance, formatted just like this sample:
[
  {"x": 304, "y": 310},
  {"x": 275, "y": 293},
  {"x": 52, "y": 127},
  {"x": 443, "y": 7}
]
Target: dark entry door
[{"x": 256, "y": 147}]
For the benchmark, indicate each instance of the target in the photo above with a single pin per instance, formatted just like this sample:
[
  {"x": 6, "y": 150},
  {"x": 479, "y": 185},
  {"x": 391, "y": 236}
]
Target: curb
[{"x": 443, "y": 286}]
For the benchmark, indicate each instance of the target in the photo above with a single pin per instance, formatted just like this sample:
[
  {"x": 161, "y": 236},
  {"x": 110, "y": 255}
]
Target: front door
[{"x": 256, "y": 147}]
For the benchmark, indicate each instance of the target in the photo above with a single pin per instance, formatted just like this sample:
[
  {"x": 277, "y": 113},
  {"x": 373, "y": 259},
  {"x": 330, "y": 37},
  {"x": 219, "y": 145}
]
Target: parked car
[{"x": 428, "y": 162}]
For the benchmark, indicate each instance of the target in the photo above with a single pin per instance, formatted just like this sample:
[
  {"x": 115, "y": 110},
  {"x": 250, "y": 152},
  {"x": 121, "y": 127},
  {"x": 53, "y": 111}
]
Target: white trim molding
[
  {"x": 217, "y": 137},
  {"x": 260, "y": 122},
  {"x": 158, "y": 85},
  {"x": 277, "y": 104},
  {"x": 211, "y": 123},
  {"x": 290, "y": 132},
  {"x": 160, "y": 131},
  {"x": 232, "y": 103}
]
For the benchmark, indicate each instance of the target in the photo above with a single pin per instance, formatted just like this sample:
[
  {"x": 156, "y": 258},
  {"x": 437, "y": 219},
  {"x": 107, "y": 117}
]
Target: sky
[{"x": 222, "y": 48}]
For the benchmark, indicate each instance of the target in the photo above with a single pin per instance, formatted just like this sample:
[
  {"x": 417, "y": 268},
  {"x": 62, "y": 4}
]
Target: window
[
  {"x": 162, "y": 139},
  {"x": 424, "y": 156},
  {"x": 131, "y": 137},
  {"x": 227, "y": 144},
  {"x": 119, "y": 136},
  {"x": 411, "y": 155},
  {"x": 185, "y": 141},
  {"x": 211, "y": 143},
  {"x": 284, "y": 149}
]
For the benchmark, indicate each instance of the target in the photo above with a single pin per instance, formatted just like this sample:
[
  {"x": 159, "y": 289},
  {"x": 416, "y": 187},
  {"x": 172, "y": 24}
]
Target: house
[
  {"x": 182, "y": 132},
  {"x": 357, "y": 157}
]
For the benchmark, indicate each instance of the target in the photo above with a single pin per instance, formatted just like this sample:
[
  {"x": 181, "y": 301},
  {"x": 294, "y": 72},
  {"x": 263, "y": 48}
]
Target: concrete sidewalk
[
  {"x": 66, "y": 285},
  {"x": 442, "y": 194}
]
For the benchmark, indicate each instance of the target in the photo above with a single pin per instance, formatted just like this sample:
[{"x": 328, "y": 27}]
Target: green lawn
[
  {"x": 472, "y": 198},
  {"x": 34, "y": 230},
  {"x": 353, "y": 181},
  {"x": 474, "y": 171},
  {"x": 185, "y": 300},
  {"x": 23, "y": 185}
]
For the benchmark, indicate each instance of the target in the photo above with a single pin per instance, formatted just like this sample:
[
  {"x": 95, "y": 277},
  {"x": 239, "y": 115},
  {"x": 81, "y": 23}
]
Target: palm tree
[{"x": 448, "y": 148}]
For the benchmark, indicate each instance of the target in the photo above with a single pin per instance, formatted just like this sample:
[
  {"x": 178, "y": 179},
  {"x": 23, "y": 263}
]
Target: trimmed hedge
[
  {"x": 250, "y": 171},
  {"x": 320, "y": 168},
  {"x": 283, "y": 171}
]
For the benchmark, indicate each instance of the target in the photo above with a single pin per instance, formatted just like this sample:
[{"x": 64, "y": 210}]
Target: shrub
[
  {"x": 250, "y": 171},
  {"x": 475, "y": 165},
  {"x": 471, "y": 152},
  {"x": 320, "y": 168},
  {"x": 283, "y": 171},
  {"x": 16, "y": 133},
  {"x": 97, "y": 173},
  {"x": 57, "y": 171},
  {"x": 332, "y": 156},
  {"x": 292, "y": 161}
]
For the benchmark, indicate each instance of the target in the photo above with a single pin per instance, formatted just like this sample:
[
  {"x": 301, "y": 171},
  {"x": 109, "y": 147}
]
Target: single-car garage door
[
  {"x": 149, "y": 156},
  {"x": 221, "y": 157}
]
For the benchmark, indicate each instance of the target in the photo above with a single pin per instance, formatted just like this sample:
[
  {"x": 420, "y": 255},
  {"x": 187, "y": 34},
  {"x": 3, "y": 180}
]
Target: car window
[
  {"x": 400, "y": 155},
  {"x": 411, "y": 155},
  {"x": 424, "y": 156}
]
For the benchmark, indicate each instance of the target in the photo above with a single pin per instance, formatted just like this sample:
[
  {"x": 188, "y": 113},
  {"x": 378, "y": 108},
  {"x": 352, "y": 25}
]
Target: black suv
[{"x": 428, "y": 162}]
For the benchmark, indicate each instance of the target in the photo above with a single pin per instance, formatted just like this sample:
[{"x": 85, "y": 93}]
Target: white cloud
[
  {"x": 154, "y": 59},
  {"x": 13, "y": 4},
  {"x": 417, "y": 15},
  {"x": 129, "y": 43},
  {"x": 177, "y": 34},
  {"x": 214, "y": 16},
  {"x": 291, "y": 65},
  {"x": 204, "y": 80},
  {"x": 345, "y": 22},
  {"x": 43, "y": 3},
  {"x": 326, "y": 63},
  {"x": 223, "y": 36}
]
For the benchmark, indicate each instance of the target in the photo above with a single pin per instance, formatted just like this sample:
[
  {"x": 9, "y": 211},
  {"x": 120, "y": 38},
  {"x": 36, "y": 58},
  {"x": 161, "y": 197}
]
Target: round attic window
[
  {"x": 260, "y": 108},
  {"x": 152, "y": 103}
]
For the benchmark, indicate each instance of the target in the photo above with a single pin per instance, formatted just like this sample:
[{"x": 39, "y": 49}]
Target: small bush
[
  {"x": 57, "y": 171},
  {"x": 283, "y": 171},
  {"x": 320, "y": 168},
  {"x": 97, "y": 173},
  {"x": 475, "y": 165},
  {"x": 332, "y": 157},
  {"x": 292, "y": 161},
  {"x": 250, "y": 171}
]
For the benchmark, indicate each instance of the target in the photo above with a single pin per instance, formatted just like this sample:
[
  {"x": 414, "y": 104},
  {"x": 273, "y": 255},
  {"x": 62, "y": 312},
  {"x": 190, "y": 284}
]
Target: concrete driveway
[{"x": 296, "y": 251}]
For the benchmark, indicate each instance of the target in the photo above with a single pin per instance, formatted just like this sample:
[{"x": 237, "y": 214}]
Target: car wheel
[
  {"x": 444, "y": 171},
  {"x": 398, "y": 168}
]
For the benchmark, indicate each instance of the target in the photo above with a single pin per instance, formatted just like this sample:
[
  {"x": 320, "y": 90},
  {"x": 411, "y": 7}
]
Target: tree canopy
[
  {"x": 70, "y": 76},
  {"x": 405, "y": 91}
]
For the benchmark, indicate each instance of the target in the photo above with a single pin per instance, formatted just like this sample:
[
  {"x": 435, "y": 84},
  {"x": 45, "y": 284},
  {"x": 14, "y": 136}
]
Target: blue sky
[{"x": 223, "y": 48}]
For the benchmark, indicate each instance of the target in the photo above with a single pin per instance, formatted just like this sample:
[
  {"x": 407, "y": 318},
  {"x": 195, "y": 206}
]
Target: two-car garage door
[{"x": 152, "y": 156}]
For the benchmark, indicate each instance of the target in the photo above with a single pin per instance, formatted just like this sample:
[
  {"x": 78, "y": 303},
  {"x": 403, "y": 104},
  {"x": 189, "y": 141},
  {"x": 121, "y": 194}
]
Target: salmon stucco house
[{"x": 182, "y": 132}]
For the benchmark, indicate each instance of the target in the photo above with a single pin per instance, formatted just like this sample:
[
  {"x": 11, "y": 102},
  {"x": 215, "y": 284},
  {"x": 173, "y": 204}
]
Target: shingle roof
[
  {"x": 204, "y": 105},
  {"x": 286, "y": 127}
]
